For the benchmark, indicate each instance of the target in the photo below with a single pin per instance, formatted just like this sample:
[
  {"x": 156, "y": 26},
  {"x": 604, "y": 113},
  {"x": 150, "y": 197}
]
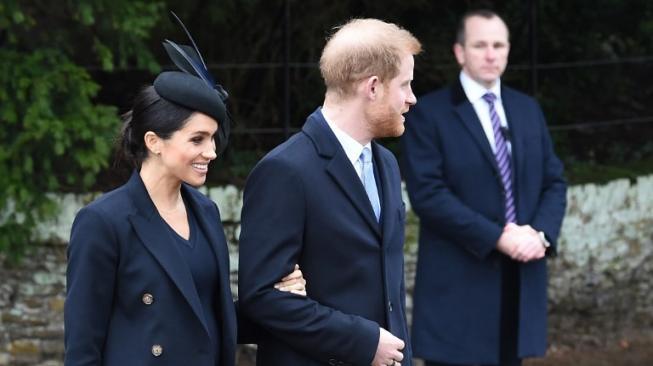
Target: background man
[
  {"x": 329, "y": 199},
  {"x": 488, "y": 189}
]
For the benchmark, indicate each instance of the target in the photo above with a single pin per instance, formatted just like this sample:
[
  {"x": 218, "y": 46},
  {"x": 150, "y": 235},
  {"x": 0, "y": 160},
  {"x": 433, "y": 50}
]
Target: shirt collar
[
  {"x": 475, "y": 91},
  {"x": 353, "y": 148}
]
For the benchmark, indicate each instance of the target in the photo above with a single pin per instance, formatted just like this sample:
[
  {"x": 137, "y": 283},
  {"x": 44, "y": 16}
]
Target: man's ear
[
  {"x": 152, "y": 142},
  {"x": 372, "y": 87},
  {"x": 459, "y": 52}
]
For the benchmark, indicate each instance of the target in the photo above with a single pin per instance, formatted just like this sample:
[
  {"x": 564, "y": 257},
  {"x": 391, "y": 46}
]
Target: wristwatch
[{"x": 545, "y": 242}]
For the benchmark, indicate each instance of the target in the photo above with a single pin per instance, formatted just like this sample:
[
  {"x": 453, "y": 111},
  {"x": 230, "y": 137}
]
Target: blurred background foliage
[
  {"x": 55, "y": 135},
  {"x": 69, "y": 68}
]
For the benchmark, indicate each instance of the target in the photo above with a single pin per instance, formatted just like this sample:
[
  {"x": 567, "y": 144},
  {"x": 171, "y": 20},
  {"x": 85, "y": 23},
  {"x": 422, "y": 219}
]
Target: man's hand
[
  {"x": 388, "y": 353},
  {"x": 294, "y": 283},
  {"x": 529, "y": 245},
  {"x": 521, "y": 243}
]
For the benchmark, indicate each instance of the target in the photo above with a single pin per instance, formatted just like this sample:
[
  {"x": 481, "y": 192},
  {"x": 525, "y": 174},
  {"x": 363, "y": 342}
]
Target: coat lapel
[
  {"x": 467, "y": 114},
  {"x": 388, "y": 206},
  {"x": 153, "y": 233},
  {"x": 211, "y": 225},
  {"x": 339, "y": 167},
  {"x": 515, "y": 117}
]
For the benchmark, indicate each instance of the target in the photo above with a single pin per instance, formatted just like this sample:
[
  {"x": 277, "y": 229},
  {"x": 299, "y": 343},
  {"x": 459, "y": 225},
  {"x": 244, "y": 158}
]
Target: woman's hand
[{"x": 294, "y": 283}]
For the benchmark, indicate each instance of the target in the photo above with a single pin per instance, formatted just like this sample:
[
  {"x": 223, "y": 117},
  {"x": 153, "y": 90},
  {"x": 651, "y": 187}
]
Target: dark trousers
[{"x": 509, "y": 317}]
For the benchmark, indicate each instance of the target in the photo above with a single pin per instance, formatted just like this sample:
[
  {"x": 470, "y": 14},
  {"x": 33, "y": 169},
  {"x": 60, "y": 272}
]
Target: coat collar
[
  {"x": 153, "y": 233},
  {"x": 339, "y": 167}
]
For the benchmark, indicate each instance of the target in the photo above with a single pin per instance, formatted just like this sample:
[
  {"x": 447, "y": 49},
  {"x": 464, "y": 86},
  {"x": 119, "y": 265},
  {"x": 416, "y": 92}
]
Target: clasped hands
[{"x": 521, "y": 243}]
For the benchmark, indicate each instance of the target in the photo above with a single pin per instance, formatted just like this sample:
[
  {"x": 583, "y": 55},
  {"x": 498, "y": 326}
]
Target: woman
[{"x": 148, "y": 266}]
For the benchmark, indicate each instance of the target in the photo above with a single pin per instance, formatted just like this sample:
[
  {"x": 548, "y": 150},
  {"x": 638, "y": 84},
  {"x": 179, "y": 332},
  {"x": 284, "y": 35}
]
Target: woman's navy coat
[{"x": 131, "y": 299}]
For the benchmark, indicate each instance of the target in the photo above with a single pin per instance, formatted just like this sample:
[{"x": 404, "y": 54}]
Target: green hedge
[{"x": 54, "y": 135}]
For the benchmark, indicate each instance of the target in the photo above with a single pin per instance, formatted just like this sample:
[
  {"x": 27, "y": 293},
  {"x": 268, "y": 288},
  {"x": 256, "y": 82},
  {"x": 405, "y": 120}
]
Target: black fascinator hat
[{"x": 193, "y": 86}]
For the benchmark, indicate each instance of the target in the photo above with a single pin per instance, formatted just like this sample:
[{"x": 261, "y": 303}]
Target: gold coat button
[
  {"x": 148, "y": 299},
  {"x": 157, "y": 350}
]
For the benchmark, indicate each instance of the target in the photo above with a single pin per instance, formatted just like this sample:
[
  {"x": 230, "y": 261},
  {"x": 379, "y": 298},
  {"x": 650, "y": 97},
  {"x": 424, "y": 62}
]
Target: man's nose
[
  {"x": 490, "y": 53},
  {"x": 411, "y": 100}
]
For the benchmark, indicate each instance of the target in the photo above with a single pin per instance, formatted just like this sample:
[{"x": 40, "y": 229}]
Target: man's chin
[
  {"x": 400, "y": 130},
  {"x": 397, "y": 131},
  {"x": 399, "y": 127}
]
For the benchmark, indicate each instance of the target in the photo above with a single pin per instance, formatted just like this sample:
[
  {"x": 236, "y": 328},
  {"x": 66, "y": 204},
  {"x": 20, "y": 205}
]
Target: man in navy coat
[
  {"x": 489, "y": 192},
  {"x": 329, "y": 199}
]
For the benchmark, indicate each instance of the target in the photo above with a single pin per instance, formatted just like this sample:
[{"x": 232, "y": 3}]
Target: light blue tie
[{"x": 369, "y": 182}]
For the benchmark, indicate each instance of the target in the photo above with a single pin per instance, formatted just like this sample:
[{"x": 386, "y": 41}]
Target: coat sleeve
[
  {"x": 553, "y": 197},
  {"x": 271, "y": 241},
  {"x": 248, "y": 332},
  {"x": 90, "y": 276},
  {"x": 431, "y": 196}
]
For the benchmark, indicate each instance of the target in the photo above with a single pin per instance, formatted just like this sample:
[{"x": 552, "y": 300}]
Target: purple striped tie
[{"x": 503, "y": 158}]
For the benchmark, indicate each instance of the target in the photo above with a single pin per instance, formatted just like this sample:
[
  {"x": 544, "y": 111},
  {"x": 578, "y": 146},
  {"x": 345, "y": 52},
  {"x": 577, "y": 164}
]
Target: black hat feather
[{"x": 193, "y": 86}]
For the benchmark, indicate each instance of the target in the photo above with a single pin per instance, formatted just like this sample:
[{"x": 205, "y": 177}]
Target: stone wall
[
  {"x": 600, "y": 284},
  {"x": 31, "y": 308}
]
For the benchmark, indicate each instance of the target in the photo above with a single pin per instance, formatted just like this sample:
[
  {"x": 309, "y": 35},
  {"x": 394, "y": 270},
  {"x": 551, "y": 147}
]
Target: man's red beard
[{"x": 384, "y": 121}]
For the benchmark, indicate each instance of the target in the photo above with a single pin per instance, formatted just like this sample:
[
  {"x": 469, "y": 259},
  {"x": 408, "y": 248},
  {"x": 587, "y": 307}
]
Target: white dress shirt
[{"x": 475, "y": 92}]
